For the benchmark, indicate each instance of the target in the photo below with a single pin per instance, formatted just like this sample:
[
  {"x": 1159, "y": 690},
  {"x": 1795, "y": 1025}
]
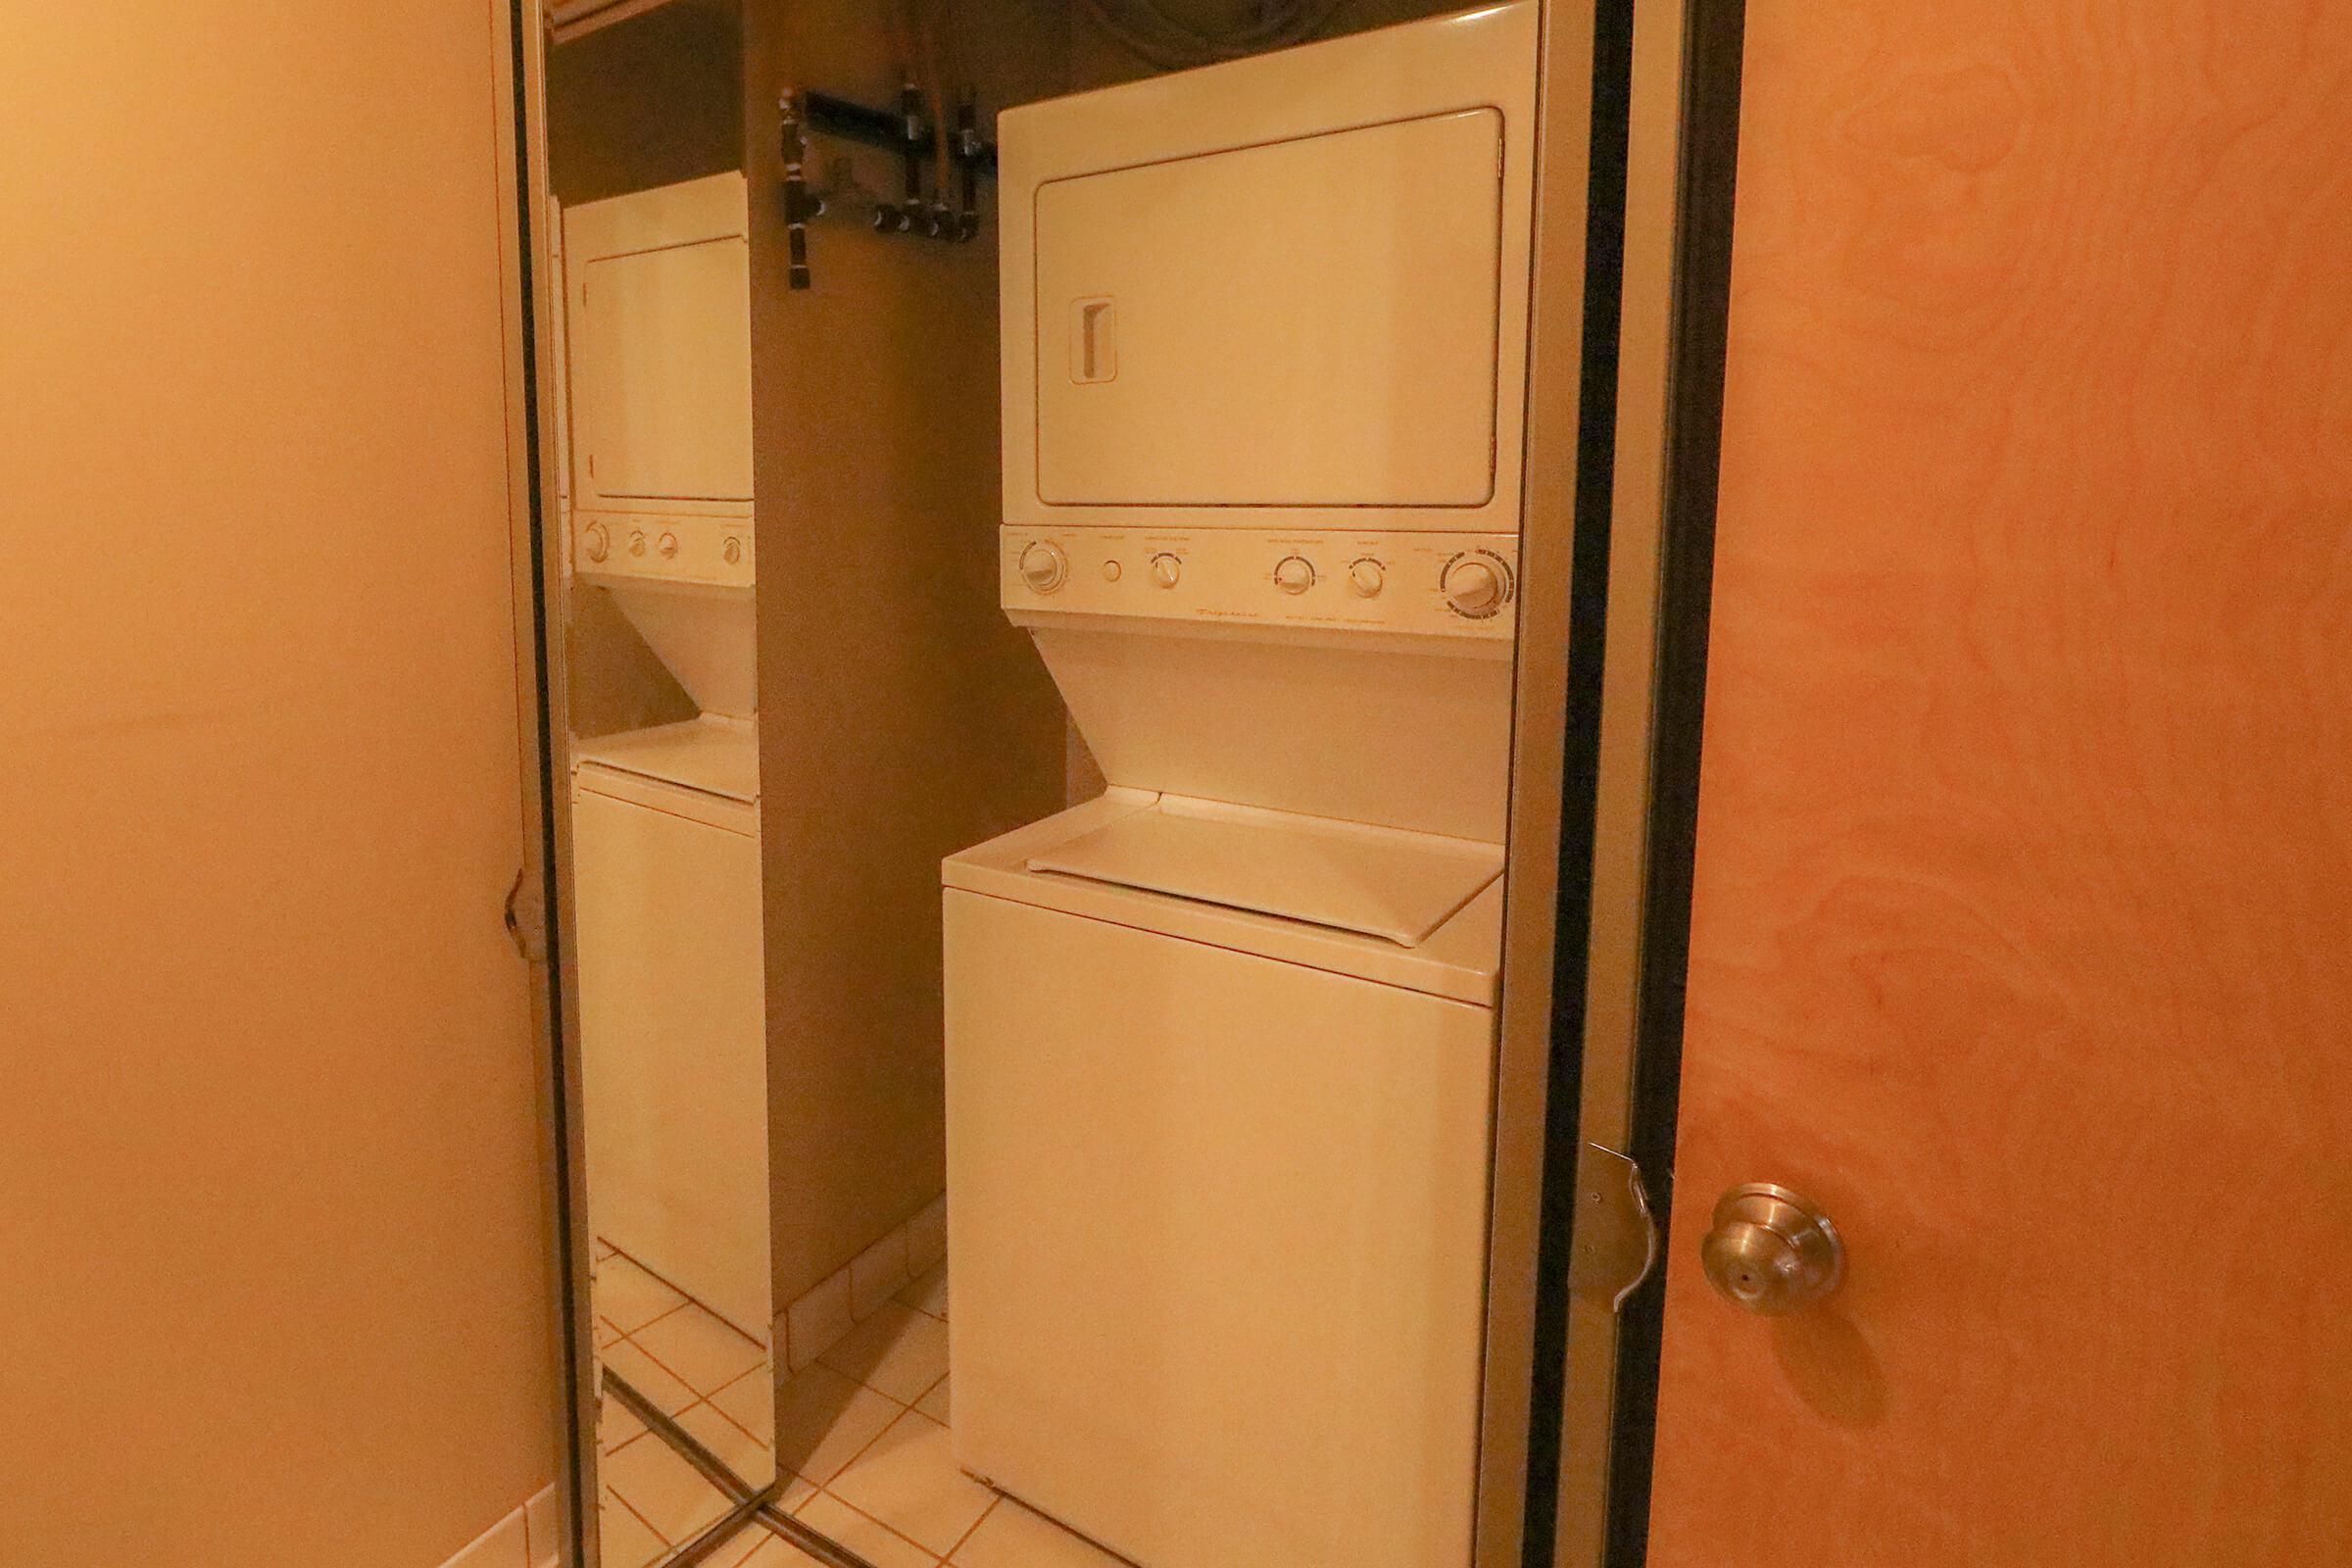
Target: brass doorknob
[{"x": 1771, "y": 1250}]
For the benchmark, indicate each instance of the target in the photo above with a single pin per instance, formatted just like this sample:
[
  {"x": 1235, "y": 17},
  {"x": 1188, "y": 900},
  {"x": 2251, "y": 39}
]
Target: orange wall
[{"x": 271, "y": 1285}]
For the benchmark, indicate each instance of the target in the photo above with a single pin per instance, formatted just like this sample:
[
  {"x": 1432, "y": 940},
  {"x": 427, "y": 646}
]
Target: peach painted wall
[{"x": 272, "y": 1288}]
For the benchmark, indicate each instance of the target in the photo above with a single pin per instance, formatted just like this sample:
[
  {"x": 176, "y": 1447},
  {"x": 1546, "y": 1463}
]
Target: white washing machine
[
  {"x": 672, "y": 999},
  {"x": 1217, "y": 1170},
  {"x": 1220, "y": 1044}
]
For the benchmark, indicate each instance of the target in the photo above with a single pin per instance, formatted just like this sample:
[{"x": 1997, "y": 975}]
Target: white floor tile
[
  {"x": 750, "y": 1402},
  {"x": 650, "y": 1378},
  {"x": 666, "y": 1492},
  {"x": 792, "y": 1493},
  {"x": 616, "y": 1424},
  {"x": 935, "y": 1405},
  {"x": 700, "y": 1348},
  {"x": 899, "y": 1351},
  {"x": 1013, "y": 1537},
  {"x": 863, "y": 1536},
  {"x": 909, "y": 1482},
  {"x": 628, "y": 1298},
  {"x": 823, "y": 1419},
  {"x": 733, "y": 1446},
  {"x": 777, "y": 1552},
  {"x": 623, "y": 1539}
]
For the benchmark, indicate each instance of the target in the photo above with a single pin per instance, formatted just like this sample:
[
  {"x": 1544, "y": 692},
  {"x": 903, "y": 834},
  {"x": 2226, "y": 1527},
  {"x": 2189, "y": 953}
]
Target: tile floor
[
  {"x": 699, "y": 1370},
  {"x": 863, "y": 1438}
]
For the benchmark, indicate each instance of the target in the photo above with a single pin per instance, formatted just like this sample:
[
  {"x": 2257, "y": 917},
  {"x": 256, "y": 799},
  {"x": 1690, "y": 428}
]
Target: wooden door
[{"x": 2023, "y": 915}]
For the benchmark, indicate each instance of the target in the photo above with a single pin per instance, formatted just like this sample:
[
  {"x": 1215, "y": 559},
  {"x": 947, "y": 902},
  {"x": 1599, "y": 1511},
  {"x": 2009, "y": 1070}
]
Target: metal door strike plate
[{"x": 1615, "y": 1241}]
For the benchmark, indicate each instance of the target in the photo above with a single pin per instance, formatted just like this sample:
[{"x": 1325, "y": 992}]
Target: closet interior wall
[{"x": 902, "y": 718}]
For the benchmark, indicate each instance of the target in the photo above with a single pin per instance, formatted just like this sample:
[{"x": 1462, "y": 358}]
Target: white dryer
[{"x": 1220, "y": 1044}]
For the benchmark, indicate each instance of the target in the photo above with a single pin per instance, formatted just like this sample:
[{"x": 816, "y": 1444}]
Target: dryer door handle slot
[{"x": 1093, "y": 339}]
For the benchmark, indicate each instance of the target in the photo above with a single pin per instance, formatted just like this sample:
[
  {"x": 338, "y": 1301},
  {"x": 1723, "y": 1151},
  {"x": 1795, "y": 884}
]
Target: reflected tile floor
[
  {"x": 863, "y": 1435},
  {"x": 704, "y": 1374}
]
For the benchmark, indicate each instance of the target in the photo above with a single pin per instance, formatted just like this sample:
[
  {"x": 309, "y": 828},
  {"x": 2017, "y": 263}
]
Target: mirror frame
[{"x": 1566, "y": 918}]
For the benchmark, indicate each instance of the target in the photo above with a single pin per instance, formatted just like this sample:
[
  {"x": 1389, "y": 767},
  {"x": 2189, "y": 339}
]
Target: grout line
[
  {"x": 640, "y": 1518},
  {"x": 879, "y": 1524},
  {"x": 706, "y": 1403},
  {"x": 684, "y": 1382},
  {"x": 995, "y": 1500},
  {"x": 647, "y": 1324}
]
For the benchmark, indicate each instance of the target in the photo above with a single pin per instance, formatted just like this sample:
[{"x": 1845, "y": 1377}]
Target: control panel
[
  {"x": 714, "y": 551},
  {"x": 1428, "y": 584}
]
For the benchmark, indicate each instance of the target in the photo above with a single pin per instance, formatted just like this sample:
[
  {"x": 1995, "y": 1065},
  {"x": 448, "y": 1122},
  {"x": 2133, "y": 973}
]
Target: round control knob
[
  {"x": 637, "y": 542},
  {"x": 1044, "y": 568},
  {"x": 598, "y": 541},
  {"x": 1165, "y": 569},
  {"x": 731, "y": 550},
  {"x": 1293, "y": 574},
  {"x": 1365, "y": 578},
  {"x": 1475, "y": 586},
  {"x": 668, "y": 546},
  {"x": 1110, "y": 572}
]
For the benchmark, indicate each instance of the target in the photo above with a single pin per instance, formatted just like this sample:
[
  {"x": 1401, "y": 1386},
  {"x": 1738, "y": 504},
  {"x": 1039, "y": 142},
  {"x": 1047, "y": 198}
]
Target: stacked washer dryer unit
[
  {"x": 666, "y": 820},
  {"x": 1220, "y": 1043}
]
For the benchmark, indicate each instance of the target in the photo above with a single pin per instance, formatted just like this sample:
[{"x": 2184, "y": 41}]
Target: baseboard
[
  {"x": 818, "y": 1321},
  {"x": 530, "y": 1537}
]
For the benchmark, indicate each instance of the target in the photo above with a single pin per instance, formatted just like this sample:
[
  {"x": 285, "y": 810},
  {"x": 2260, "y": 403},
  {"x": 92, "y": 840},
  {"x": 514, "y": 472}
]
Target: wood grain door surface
[{"x": 2022, "y": 918}]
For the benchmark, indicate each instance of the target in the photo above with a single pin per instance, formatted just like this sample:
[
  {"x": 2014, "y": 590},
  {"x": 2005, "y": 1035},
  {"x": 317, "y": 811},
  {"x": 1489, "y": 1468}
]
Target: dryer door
[
  {"x": 662, "y": 374},
  {"x": 1304, "y": 322}
]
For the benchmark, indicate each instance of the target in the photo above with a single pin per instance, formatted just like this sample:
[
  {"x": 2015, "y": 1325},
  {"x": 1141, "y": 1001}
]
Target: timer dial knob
[
  {"x": 598, "y": 540},
  {"x": 1044, "y": 568},
  {"x": 1365, "y": 578},
  {"x": 1293, "y": 574},
  {"x": 1166, "y": 570},
  {"x": 1475, "y": 585}
]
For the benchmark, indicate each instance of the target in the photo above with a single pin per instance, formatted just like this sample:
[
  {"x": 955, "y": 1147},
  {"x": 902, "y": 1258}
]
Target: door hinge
[
  {"x": 1615, "y": 1241},
  {"x": 526, "y": 918}
]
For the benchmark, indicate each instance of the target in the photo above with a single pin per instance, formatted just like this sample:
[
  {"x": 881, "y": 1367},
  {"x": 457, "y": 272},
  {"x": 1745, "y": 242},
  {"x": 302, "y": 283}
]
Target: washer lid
[
  {"x": 1381, "y": 882},
  {"x": 713, "y": 754}
]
